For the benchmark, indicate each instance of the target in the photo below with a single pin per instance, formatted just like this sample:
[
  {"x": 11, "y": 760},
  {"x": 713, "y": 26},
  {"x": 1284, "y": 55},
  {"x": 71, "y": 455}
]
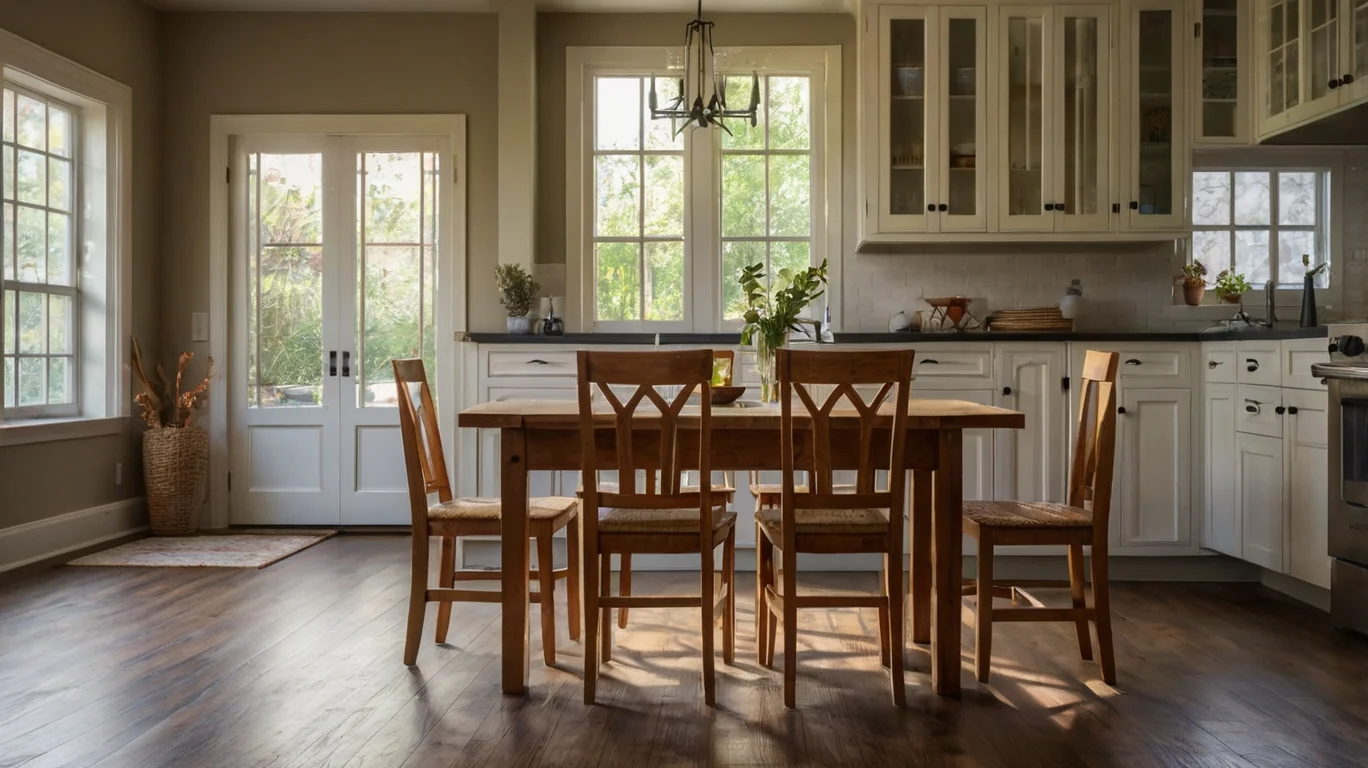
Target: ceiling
[{"x": 466, "y": 6}]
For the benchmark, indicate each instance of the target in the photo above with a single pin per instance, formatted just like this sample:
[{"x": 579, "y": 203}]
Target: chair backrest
[
  {"x": 424, "y": 459},
  {"x": 690, "y": 371},
  {"x": 798, "y": 373},
  {"x": 1095, "y": 445}
]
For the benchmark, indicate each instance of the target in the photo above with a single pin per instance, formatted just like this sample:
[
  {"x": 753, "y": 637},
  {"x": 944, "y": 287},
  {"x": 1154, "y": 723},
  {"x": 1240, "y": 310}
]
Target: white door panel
[
  {"x": 1156, "y": 474},
  {"x": 1259, "y": 475},
  {"x": 1307, "y": 501},
  {"x": 1221, "y": 527}
]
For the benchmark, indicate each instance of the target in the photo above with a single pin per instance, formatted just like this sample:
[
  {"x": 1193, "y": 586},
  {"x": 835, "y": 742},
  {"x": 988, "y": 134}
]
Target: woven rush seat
[
  {"x": 543, "y": 508},
  {"x": 1026, "y": 514},
  {"x": 812, "y": 521},
  {"x": 621, "y": 520}
]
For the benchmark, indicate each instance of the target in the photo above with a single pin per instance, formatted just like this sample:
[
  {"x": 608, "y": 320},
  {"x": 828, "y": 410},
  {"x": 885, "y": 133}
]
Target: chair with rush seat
[
  {"x": 664, "y": 519},
  {"x": 452, "y": 518},
  {"x": 1081, "y": 522}
]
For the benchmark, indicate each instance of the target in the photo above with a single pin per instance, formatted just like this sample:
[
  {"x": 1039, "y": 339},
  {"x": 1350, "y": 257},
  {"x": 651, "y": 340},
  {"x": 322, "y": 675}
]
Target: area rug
[{"x": 231, "y": 550}]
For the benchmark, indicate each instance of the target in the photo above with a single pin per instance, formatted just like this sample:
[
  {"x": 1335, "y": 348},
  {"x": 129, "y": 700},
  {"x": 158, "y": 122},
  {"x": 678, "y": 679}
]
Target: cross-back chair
[
  {"x": 451, "y": 518},
  {"x": 663, "y": 519},
  {"x": 823, "y": 521},
  {"x": 1081, "y": 522}
]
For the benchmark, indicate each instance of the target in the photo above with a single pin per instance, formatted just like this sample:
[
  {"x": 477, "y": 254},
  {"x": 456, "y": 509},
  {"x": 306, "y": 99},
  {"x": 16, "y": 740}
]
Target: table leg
[
  {"x": 947, "y": 564},
  {"x": 513, "y": 494},
  {"x": 920, "y": 549}
]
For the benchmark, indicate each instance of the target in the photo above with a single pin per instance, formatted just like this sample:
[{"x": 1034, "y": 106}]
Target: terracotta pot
[
  {"x": 1192, "y": 294},
  {"x": 1231, "y": 298}
]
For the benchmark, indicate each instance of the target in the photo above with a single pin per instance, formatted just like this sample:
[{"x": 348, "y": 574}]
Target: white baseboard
[{"x": 41, "y": 539}]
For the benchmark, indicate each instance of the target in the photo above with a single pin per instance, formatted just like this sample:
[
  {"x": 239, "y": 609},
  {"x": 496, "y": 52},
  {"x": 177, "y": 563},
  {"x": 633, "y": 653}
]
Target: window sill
[{"x": 26, "y": 431}]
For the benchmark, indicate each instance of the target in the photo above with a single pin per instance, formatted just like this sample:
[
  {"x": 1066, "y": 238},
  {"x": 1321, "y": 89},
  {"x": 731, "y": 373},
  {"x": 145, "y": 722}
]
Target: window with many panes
[
  {"x": 1260, "y": 222},
  {"x": 41, "y": 293},
  {"x": 667, "y": 217}
]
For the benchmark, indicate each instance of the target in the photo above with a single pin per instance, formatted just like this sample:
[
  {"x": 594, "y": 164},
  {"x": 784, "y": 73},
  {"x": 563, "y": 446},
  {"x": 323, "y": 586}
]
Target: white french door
[{"x": 336, "y": 243}]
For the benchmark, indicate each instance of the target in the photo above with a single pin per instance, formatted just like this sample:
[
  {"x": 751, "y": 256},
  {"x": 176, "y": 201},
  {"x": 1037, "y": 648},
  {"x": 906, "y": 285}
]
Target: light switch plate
[{"x": 199, "y": 326}]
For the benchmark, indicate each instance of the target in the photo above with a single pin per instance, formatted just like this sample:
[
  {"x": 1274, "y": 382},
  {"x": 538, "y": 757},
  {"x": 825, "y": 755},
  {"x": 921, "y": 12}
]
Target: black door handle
[
  {"x": 346, "y": 363},
  {"x": 1292, "y": 409},
  {"x": 943, "y": 207},
  {"x": 1049, "y": 206},
  {"x": 1006, "y": 390},
  {"x": 1132, "y": 361},
  {"x": 1116, "y": 207},
  {"x": 1280, "y": 410},
  {"x": 332, "y": 362}
]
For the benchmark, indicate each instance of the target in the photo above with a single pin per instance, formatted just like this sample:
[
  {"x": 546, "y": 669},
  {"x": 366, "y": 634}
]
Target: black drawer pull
[
  {"x": 1292, "y": 409},
  {"x": 1252, "y": 408},
  {"x": 332, "y": 362},
  {"x": 1280, "y": 410},
  {"x": 537, "y": 361},
  {"x": 1253, "y": 364},
  {"x": 929, "y": 361},
  {"x": 1213, "y": 363},
  {"x": 1132, "y": 361}
]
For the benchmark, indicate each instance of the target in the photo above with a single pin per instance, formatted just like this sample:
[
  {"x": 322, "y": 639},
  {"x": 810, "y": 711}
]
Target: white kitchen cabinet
[
  {"x": 1221, "y": 518},
  {"x": 1222, "y": 81},
  {"x": 1029, "y": 464},
  {"x": 1156, "y": 157},
  {"x": 1154, "y": 469},
  {"x": 1305, "y": 441},
  {"x": 1313, "y": 60},
  {"x": 539, "y": 482},
  {"x": 1259, "y": 485}
]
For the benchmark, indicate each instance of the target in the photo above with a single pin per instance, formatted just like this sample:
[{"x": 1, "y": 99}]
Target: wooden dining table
[{"x": 544, "y": 435}]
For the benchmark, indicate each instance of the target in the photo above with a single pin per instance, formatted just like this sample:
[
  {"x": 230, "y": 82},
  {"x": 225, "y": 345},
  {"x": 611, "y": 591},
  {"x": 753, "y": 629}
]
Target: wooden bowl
[{"x": 725, "y": 395}]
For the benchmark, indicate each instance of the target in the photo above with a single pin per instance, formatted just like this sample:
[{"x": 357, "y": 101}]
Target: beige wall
[
  {"x": 121, "y": 40},
  {"x": 557, "y": 31},
  {"x": 334, "y": 63}
]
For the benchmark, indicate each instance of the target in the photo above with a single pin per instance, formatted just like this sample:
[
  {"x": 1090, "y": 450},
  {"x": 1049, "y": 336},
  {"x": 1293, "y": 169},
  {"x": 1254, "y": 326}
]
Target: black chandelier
[{"x": 700, "y": 76}]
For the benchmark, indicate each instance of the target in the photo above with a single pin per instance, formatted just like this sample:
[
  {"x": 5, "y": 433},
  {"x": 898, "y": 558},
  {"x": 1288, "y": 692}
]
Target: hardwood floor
[{"x": 299, "y": 665}]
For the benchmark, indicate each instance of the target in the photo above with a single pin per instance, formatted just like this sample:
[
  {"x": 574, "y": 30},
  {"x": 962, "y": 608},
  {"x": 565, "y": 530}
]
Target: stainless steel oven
[{"x": 1348, "y": 492}]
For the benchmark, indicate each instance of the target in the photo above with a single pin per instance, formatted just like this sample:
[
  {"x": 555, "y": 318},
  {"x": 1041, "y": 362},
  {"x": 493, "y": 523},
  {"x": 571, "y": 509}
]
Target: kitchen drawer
[
  {"x": 1256, "y": 411},
  {"x": 1155, "y": 366},
  {"x": 1218, "y": 363},
  {"x": 531, "y": 362},
  {"x": 969, "y": 368},
  {"x": 1259, "y": 362},
  {"x": 1298, "y": 355}
]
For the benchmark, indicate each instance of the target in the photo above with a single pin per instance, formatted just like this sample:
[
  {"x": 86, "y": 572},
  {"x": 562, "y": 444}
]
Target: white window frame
[
  {"x": 1330, "y": 221},
  {"x": 103, "y": 195},
  {"x": 702, "y": 180}
]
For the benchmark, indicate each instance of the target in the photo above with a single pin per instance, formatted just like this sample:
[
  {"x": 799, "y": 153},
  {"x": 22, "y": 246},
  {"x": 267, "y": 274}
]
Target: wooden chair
[
  {"x": 1081, "y": 522},
  {"x": 664, "y": 520},
  {"x": 823, "y": 521},
  {"x": 452, "y": 518}
]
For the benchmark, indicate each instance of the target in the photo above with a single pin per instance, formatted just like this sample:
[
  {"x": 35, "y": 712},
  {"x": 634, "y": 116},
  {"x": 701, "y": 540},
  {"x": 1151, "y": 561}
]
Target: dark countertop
[{"x": 731, "y": 339}]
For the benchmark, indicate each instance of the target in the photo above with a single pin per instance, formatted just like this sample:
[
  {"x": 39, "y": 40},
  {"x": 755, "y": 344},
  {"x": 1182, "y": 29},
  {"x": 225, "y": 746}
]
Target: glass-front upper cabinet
[
  {"x": 1222, "y": 79},
  {"x": 1081, "y": 161},
  {"x": 961, "y": 88},
  {"x": 1354, "y": 80},
  {"x": 1280, "y": 53},
  {"x": 1024, "y": 185},
  {"x": 1320, "y": 58},
  {"x": 907, "y": 182},
  {"x": 1155, "y": 192}
]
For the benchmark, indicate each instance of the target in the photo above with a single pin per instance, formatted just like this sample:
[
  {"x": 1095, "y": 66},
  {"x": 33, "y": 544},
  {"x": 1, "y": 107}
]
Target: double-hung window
[
  {"x": 1260, "y": 222},
  {"x": 64, "y": 242},
  {"x": 660, "y": 220}
]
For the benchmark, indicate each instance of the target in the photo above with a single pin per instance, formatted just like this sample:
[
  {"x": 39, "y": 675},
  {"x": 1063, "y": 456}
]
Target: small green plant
[
  {"x": 1194, "y": 274},
  {"x": 517, "y": 289},
  {"x": 1231, "y": 283},
  {"x": 773, "y": 312}
]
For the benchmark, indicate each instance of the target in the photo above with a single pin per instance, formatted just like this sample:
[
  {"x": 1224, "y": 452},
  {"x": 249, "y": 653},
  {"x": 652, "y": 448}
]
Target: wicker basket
[{"x": 175, "y": 465}]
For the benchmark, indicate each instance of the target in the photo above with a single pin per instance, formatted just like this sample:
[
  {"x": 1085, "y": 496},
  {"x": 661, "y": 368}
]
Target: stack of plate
[{"x": 1029, "y": 319}]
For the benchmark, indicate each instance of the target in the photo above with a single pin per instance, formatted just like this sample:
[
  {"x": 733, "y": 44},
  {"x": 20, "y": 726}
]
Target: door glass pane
[
  {"x": 1025, "y": 142},
  {"x": 396, "y": 269},
  {"x": 1220, "y": 46},
  {"x": 285, "y": 280},
  {"x": 1292, "y": 52},
  {"x": 1081, "y": 151},
  {"x": 1360, "y": 42},
  {"x": 1156, "y": 113},
  {"x": 962, "y": 120},
  {"x": 1325, "y": 65},
  {"x": 907, "y": 117}
]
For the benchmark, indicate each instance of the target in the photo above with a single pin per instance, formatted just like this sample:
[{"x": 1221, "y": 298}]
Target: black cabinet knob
[
  {"x": 930, "y": 207},
  {"x": 1135, "y": 205},
  {"x": 1334, "y": 84},
  {"x": 1253, "y": 365},
  {"x": 1116, "y": 207},
  {"x": 1059, "y": 207},
  {"x": 1006, "y": 390},
  {"x": 1049, "y": 206},
  {"x": 1121, "y": 409},
  {"x": 1132, "y": 361},
  {"x": 1280, "y": 410},
  {"x": 1347, "y": 79},
  {"x": 1292, "y": 409},
  {"x": 943, "y": 207}
]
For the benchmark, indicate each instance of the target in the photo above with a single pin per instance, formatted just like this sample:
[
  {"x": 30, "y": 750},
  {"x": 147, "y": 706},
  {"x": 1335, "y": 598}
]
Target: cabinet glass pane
[
  {"x": 1025, "y": 143},
  {"x": 1081, "y": 151},
  {"x": 907, "y": 117},
  {"x": 1220, "y": 46},
  {"x": 1360, "y": 39},
  {"x": 962, "y": 89},
  {"x": 1284, "y": 50},
  {"x": 1325, "y": 65},
  {"x": 1155, "y": 169}
]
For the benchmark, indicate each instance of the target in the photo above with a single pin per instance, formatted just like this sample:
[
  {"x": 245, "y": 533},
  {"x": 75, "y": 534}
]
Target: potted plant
[
  {"x": 1194, "y": 283},
  {"x": 517, "y": 291},
  {"x": 772, "y": 312},
  {"x": 1231, "y": 285},
  {"x": 175, "y": 451}
]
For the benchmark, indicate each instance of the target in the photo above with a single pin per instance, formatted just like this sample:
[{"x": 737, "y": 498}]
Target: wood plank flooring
[{"x": 298, "y": 665}]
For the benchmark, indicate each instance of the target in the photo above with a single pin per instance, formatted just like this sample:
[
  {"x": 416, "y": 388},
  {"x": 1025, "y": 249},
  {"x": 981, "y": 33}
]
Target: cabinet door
[
  {"x": 1308, "y": 502},
  {"x": 1155, "y": 438},
  {"x": 1155, "y": 145},
  {"x": 1259, "y": 485},
  {"x": 1223, "y": 79},
  {"x": 961, "y": 92},
  {"x": 907, "y": 180},
  {"x": 1081, "y": 156},
  {"x": 1354, "y": 52},
  {"x": 1024, "y": 185},
  {"x": 1279, "y": 43},
  {"x": 1029, "y": 464},
  {"x": 1320, "y": 67},
  {"x": 1221, "y": 519}
]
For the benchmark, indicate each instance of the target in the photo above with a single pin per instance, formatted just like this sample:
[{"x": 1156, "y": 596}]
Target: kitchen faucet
[{"x": 1270, "y": 315}]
